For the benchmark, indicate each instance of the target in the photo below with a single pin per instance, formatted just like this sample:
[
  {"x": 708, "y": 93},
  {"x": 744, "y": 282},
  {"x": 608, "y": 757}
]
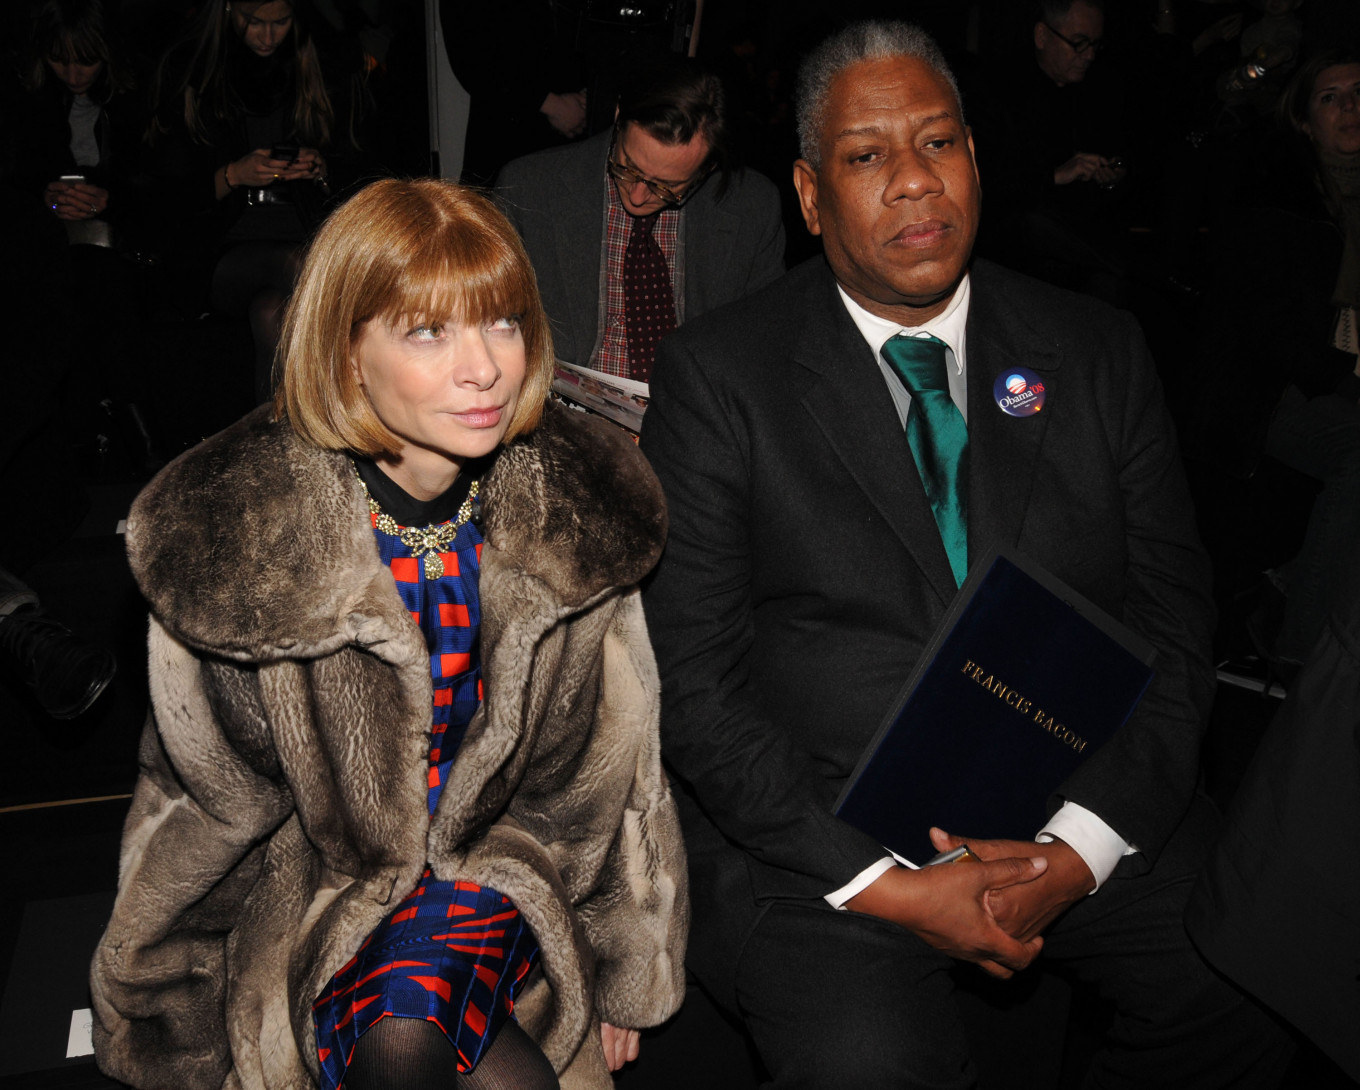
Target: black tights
[{"x": 413, "y": 1054}]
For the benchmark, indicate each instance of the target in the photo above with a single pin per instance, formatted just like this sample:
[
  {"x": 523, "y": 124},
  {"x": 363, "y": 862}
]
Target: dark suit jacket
[
  {"x": 804, "y": 571},
  {"x": 728, "y": 246}
]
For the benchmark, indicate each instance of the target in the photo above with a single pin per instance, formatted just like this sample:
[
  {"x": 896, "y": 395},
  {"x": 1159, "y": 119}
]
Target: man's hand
[
  {"x": 1082, "y": 167},
  {"x": 1024, "y": 910},
  {"x": 620, "y": 1045},
  {"x": 566, "y": 113},
  {"x": 948, "y": 906}
]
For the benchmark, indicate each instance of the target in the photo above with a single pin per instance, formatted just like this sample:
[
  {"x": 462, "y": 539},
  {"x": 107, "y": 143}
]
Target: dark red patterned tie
[{"x": 648, "y": 305}]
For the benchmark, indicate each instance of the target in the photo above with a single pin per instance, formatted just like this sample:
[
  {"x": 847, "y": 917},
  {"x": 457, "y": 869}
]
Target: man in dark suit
[
  {"x": 630, "y": 235},
  {"x": 810, "y": 559}
]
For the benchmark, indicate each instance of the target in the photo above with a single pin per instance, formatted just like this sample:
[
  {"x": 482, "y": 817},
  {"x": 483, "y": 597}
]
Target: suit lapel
[
  {"x": 842, "y": 389},
  {"x": 1003, "y": 449}
]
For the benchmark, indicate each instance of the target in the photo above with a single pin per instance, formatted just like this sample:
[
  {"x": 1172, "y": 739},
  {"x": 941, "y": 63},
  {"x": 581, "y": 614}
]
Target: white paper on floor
[{"x": 78, "y": 1042}]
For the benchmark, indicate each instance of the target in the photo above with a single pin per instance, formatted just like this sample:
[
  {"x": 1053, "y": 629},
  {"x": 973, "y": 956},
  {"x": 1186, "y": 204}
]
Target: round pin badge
[{"x": 1018, "y": 392}]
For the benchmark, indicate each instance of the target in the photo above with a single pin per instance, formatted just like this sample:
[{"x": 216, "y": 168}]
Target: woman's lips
[{"x": 480, "y": 418}]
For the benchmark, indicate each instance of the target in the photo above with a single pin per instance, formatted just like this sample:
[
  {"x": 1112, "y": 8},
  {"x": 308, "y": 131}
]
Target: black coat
[
  {"x": 804, "y": 572},
  {"x": 1277, "y": 909}
]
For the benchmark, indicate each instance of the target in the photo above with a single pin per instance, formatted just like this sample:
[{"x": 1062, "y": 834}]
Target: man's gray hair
[{"x": 871, "y": 40}]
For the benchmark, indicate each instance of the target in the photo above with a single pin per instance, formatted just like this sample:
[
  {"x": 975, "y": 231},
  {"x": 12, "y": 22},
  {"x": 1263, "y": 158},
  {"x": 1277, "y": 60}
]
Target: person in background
[
  {"x": 77, "y": 128},
  {"x": 1278, "y": 339},
  {"x": 1052, "y": 150},
  {"x": 402, "y": 821},
  {"x": 516, "y": 109},
  {"x": 71, "y": 150},
  {"x": 630, "y": 235},
  {"x": 244, "y": 119}
]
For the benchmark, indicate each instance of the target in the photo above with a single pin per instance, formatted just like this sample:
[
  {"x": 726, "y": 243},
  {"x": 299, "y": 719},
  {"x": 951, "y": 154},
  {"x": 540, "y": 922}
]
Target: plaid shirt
[{"x": 612, "y": 357}]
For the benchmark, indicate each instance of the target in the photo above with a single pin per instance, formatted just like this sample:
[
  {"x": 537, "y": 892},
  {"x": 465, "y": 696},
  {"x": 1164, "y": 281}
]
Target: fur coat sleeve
[{"x": 281, "y": 810}]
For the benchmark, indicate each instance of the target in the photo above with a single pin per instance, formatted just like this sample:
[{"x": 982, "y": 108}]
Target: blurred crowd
[{"x": 163, "y": 162}]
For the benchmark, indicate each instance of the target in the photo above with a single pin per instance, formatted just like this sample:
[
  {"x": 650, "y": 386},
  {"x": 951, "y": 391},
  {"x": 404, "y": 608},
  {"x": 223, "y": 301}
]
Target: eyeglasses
[
  {"x": 627, "y": 177},
  {"x": 1080, "y": 44}
]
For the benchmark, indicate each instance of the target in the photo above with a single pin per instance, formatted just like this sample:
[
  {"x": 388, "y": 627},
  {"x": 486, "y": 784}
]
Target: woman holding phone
[{"x": 244, "y": 118}]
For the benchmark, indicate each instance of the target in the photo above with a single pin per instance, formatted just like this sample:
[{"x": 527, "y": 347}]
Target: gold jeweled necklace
[{"x": 429, "y": 540}]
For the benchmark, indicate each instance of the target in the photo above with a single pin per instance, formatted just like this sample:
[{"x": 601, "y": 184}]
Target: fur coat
[{"x": 281, "y": 809}]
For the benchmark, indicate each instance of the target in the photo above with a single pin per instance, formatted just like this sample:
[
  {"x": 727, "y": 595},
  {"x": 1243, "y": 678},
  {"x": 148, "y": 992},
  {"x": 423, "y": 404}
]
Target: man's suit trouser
[{"x": 846, "y": 1000}]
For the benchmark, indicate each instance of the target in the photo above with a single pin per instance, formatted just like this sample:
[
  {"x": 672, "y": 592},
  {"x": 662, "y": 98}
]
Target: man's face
[
  {"x": 1062, "y": 61},
  {"x": 644, "y": 159},
  {"x": 896, "y": 196}
]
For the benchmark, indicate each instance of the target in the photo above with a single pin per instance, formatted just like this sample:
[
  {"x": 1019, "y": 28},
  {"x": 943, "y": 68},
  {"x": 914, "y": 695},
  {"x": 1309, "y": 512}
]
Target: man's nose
[{"x": 913, "y": 177}]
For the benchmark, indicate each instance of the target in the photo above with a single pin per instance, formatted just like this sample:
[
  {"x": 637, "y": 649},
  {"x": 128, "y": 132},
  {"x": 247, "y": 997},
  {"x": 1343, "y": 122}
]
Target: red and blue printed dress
[{"x": 453, "y": 953}]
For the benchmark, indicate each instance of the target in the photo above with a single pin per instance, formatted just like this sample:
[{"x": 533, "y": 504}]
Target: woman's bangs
[
  {"x": 443, "y": 288},
  {"x": 81, "y": 45}
]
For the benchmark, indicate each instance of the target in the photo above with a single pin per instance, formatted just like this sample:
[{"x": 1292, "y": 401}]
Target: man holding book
[{"x": 834, "y": 450}]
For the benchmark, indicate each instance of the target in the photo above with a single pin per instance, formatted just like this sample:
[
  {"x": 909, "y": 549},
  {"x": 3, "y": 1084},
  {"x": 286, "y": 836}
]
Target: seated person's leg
[
  {"x": 840, "y": 999},
  {"x": 1177, "y": 1023},
  {"x": 1319, "y": 436},
  {"x": 413, "y": 1054}
]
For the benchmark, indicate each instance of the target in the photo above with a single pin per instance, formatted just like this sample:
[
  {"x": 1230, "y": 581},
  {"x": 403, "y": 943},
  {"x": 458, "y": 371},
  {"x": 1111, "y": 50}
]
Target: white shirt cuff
[
  {"x": 860, "y": 882},
  {"x": 1099, "y": 846}
]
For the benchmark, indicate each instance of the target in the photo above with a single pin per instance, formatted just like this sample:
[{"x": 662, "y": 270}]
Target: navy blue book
[{"x": 1022, "y": 681}]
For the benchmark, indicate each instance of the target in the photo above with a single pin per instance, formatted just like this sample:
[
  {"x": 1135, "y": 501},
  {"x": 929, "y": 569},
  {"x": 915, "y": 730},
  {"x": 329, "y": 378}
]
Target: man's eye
[
  {"x": 940, "y": 143},
  {"x": 1325, "y": 99},
  {"x": 864, "y": 157}
]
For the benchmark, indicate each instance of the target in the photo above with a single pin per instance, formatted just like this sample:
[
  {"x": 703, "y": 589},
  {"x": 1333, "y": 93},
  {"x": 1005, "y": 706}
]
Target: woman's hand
[
  {"x": 620, "y": 1045},
  {"x": 75, "y": 200},
  {"x": 308, "y": 166},
  {"x": 257, "y": 170}
]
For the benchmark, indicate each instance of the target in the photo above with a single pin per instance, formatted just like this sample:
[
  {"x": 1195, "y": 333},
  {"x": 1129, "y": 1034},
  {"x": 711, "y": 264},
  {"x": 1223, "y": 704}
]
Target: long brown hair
[
  {"x": 402, "y": 251},
  {"x": 194, "y": 73}
]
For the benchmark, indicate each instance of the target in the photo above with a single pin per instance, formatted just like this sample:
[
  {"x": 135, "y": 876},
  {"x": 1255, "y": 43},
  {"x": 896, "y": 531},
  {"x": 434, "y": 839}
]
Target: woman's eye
[
  {"x": 426, "y": 332},
  {"x": 507, "y": 324}
]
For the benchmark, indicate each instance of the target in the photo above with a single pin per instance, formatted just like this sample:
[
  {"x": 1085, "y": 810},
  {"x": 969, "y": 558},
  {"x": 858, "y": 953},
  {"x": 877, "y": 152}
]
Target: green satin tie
[{"x": 938, "y": 438}]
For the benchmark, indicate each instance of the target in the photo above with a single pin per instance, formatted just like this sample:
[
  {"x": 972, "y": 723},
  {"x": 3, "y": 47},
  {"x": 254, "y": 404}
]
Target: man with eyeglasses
[
  {"x": 1052, "y": 141},
  {"x": 1066, "y": 44},
  {"x": 636, "y": 230}
]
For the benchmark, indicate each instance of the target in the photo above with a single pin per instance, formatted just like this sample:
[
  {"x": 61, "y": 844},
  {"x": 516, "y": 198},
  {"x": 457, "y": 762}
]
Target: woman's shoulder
[
  {"x": 235, "y": 539},
  {"x": 577, "y": 504}
]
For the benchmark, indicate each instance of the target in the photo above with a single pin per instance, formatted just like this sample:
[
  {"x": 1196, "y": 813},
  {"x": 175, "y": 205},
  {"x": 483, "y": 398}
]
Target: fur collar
[{"x": 256, "y": 546}]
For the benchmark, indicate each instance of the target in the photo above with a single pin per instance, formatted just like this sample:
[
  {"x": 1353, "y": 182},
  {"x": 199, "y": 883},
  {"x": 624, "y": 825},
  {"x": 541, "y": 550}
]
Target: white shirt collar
[{"x": 948, "y": 326}]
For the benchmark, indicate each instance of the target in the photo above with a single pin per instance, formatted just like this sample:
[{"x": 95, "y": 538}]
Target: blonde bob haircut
[{"x": 402, "y": 252}]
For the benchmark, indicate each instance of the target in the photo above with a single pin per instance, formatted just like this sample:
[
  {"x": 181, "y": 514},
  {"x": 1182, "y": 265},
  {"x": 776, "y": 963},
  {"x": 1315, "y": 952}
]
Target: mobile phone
[
  {"x": 285, "y": 152},
  {"x": 72, "y": 178}
]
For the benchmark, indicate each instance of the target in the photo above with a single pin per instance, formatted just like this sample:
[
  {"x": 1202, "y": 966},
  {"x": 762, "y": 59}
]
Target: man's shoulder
[
  {"x": 555, "y": 164},
  {"x": 772, "y": 316},
  {"x": 1010, "y": 300},
  {"x": 745, "y": 188}
]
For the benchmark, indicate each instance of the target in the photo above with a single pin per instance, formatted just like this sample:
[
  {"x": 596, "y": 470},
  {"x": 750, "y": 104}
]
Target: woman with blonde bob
[{"x": 401, "y": 820}]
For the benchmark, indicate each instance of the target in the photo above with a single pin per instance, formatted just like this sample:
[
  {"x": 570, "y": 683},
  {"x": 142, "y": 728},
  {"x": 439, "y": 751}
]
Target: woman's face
[
  {"x": 1334, "y": 110},
  {"x": 261, "y": 26},
  {"x": 78, "y": 78},
  {"x": 448, "y": 390}
]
